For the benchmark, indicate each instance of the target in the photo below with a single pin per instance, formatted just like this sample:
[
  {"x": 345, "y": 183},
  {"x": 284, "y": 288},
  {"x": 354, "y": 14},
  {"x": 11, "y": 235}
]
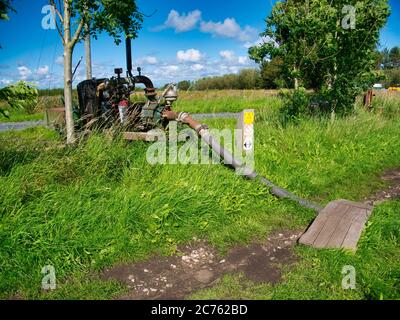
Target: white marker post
[{"x": 245, "y": 137}]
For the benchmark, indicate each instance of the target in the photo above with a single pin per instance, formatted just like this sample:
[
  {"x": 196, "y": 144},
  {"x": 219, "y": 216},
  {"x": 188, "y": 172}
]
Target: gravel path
[{"x": 5, "y": 126}]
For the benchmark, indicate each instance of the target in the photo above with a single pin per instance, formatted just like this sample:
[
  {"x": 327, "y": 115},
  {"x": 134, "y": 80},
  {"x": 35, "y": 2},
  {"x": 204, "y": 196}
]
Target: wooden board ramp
[{"x": 338, "y": 225}]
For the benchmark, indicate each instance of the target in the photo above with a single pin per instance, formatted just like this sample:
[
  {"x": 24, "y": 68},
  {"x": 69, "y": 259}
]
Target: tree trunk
[
  {"x": 68, "y": 95},
  {"x": 88, "y": 53},
  {"x": 296, "y": 83},
  {"x": 69, "y": 121},
  {"x": 296, "y": 80}
]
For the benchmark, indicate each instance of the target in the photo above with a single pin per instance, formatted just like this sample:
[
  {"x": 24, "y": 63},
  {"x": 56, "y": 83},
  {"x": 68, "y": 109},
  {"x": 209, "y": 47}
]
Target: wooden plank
[
  {"x": 339, "y": 225},
  {"x": 356, "y": 204},
  {"x": 313, "y": 231},
  {"x": 355, "y": 230},
  {"x": 335, "y": 216},
  {"x": 342, "y": 228}
]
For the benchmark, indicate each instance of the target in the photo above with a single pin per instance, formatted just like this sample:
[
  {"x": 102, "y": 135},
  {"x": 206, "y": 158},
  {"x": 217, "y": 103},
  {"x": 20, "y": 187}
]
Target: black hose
[{"x": 230, "y": 160}]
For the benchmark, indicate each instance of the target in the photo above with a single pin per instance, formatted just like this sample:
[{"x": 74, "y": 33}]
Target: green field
[{"x": 85, "y": 208}]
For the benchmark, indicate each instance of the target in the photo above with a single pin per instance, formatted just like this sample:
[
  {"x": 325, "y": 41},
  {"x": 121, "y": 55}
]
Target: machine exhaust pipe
[
  {"x": 128, "y": 45},
  {"x": 137, "y": 79}
]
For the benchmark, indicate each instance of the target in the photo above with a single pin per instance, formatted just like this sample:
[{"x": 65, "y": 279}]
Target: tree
[
  {"x": 111, "y": 16},
  {"x": 5, "y": 7},
  {"x": 88, "y": 54},
  {"x": 184, "y": 85},
  {"x": 18, "y": 96},
  {"x": 271, "y": 75},
  {"x": 248, "y": 79},
  {"x": 328, "y": 45},
  {"x": 394, "y": 57},
  {"x": 392, "y": 77}
]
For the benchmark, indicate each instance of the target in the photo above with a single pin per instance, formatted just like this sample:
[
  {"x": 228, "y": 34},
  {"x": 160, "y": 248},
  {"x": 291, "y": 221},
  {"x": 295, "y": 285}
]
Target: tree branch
[
  {"x": 60, "y": 32},
  {"x": 56, "y": 10},
  {"x": 78, "y": 32}
]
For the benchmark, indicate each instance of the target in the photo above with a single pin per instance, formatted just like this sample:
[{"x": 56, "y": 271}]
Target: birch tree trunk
[
  {"x": 296, "y": 80},
  {"x": 88, "y": 54},
  {"x": 68, "y": 95},
  {"x": 69, "y": 121}
]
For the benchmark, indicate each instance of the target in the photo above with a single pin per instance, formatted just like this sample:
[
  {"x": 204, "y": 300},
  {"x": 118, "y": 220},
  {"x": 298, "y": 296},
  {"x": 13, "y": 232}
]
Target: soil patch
[
  {"x": 198, "y": 265},
  {"x": 392, "y": 178}
]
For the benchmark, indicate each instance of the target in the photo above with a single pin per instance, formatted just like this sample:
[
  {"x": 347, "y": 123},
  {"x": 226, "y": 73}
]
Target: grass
[
  {"x": 319, "y": 275},
  {"x": 37, "y": 113},
  {"x": 21, "y": 116},
  {"x": 85, "y": 208},
  {"x": 227, "y": 101}
]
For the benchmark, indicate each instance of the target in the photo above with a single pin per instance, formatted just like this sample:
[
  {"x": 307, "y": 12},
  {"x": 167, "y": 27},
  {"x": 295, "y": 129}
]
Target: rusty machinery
[{"x": 108, "y": 102}]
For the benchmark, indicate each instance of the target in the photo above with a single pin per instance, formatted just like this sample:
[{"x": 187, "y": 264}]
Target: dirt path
[
  {"x": 198, "y": 266},
  {"x": 392, "y": 178}
]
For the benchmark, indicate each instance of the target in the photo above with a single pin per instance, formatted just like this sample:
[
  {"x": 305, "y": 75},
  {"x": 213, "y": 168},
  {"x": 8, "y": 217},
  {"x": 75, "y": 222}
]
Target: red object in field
[
  {"x": 123, "y": 103},
  {"x": 368, "y": 99}
]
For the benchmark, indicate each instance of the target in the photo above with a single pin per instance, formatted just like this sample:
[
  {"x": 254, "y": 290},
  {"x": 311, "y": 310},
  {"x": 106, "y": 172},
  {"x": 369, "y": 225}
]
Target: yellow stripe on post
[{"x": 248, "y": 117}]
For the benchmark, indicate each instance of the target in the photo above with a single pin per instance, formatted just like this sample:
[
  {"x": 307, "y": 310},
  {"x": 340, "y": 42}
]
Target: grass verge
[{"x": 82, "y": 209}]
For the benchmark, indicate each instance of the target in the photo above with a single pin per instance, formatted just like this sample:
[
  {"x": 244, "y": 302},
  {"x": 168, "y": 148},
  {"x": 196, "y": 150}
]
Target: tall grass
[
  {"x": 387, "y": 104},
  {"x": 83, "y": 208},
  {"x": 227, "y": 101}
]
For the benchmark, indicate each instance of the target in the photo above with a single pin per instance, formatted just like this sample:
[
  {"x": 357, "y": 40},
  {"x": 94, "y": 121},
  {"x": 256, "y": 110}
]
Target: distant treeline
[
  {"x": 51, "y": 92},
  {"x": 270, "y": 75},
  {"x": 245, "y": 79}
]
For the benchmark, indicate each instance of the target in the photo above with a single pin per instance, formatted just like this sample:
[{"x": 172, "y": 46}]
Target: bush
[
  {"x": 20, "y": 95},
  {"x": 296, "y": 104},
  {"x": 184, "y": 85},
  {"x": 392, "y": 77}
]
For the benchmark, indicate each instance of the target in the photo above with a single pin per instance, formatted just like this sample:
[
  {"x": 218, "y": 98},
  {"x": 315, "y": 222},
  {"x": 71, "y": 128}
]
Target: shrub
[
  {"x": 296, "y": 104},
  {"x": 19, "y": 96}
]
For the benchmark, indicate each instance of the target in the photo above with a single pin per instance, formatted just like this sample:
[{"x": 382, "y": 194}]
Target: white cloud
[
  {"x": 227, "y": 54},
  {"x": 234, "y": 69},
  {"x": 60, "y": 60},
  {"x": 197, "y": 67},
  {"x": 191, "y": 55},
  {"x": 5, "y": 82},
  {"x": 228, "y": 29},
  {"x": 181, "y": 22},
  {"x": 42, "y": 70},
  {"x": 171, "y": 68},
  {"x": 24, "y": 72},
  {"x": 243, "y": 60},
  {"x": 148, "y": 60},
  {"x": 231, "y": 58},
  {"x": 260, "y": 41}
]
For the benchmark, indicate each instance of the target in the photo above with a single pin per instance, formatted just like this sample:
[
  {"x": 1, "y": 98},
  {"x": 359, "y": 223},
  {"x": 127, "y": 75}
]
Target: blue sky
[{"x": 184, "y": 39}]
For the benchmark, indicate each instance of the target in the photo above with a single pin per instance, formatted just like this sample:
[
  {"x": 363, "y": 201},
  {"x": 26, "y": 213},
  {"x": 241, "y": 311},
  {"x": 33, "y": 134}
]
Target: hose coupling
[
  {"x": 182, "y": 116},
  {"x": 201, "y": 127}
]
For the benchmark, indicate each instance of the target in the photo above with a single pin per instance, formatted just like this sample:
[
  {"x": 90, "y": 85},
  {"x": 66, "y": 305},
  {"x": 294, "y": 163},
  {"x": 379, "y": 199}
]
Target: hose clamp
[
  {"x": 182, "y": 116},
  {"x": 201, "y": 127}
]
